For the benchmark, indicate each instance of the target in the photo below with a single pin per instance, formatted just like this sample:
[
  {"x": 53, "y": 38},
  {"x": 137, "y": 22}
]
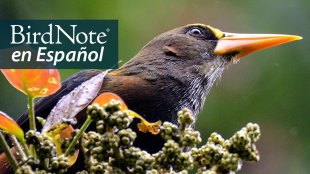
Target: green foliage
[{"x": 110, "y": 150}]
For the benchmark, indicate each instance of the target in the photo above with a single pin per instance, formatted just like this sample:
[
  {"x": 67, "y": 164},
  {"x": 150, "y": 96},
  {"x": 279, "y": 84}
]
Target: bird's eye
[{"x": 195, "y": 32}]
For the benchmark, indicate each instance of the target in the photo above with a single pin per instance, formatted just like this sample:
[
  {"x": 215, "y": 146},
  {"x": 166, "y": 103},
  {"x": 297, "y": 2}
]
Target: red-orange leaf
[
  {"x": 34, "y": 82},
  {"x": 144, "y": 126},
  {"x": 64, "y": 131},
  {"x": 107, "y": 97},
  {"x": 9, "y": 126}
]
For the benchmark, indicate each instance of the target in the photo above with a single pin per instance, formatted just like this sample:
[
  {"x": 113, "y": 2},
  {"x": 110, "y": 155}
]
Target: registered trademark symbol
[{"x": 108, "y": 30}]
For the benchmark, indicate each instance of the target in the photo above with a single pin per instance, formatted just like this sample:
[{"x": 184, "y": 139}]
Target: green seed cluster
[
  {"x": 120, "y": 120},
  {"x": 31, "y": 166},
  {"x": 144, "y": 163},
  {"x": 183, "y": 161},
  {"x": 112, "y": 145},
  {"x": 116, "y": 170},
  {"x": 181, "y": 172},
  {"x": 99, "y": 154},
  {"x": 216, "y": 138},
  {"x": 208, "y": 172},
  {"x": 100, "y": 168},
  {"x": 253, "y": 131},
  {"x": 171, "y": 148},
  {"x": 208, "y": 155},
  {"x": 59, "y": 164},
  {"x": 153, "y": 171},
  {"x": 65, "y": 144},
  {"x": 46, "y": 148},
  {"x": 96, "y": 112},
  {"x": 226, "y": 156},
  {"x": 92, "y": 139},
  {"x": 25, "y": 169},
  {"x": 42, "y": 172},
  {"x": 214, "y": 154},
  {"x": 109, "y": 140},
  {"x": 109, "y": 116},
  {"x": 127, "y": 136},
  {"x": 185, "y": 117},
  {"x": 242, "y": 142},
  {"x": 172, "y": 156},
  {"x": 230, "y": 162},
  {"x": 110, "y": 150},
  {"x": 33, "y": 137},
  {"x": 30, "y": 161},
  {"x": 100, "y": 126},
  {"x": 43, "y": 144},
  {"x": 113, "y": 106},
  {"x": 169, "y": 131},
  {"x": 93, "y": 144},
  {"x": 190, "y": 138},
  {"x": 131, "y": 156},
  {"x": 205, "y": 171}
]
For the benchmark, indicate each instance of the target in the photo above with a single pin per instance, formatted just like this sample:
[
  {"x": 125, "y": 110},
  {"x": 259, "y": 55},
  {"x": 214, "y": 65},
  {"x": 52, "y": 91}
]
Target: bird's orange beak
[{"x": 245, "y": 44}]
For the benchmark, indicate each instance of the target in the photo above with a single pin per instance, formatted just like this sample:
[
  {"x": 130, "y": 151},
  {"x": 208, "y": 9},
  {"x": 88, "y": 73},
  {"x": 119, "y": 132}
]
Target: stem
[
  {"x": 83, "y": 149},
  {"x": 33, "y": 151},
  {"x": 32, "y": 123},
  {"x": 117, "y": 153},
  {"x": 17, "y": 147},
  {"x": 32, "y": 120},
  {"x": 26, "y": 150},
  {"x": 78, "y": 136},
  {"x": 8, "y": 153},
  {"x": 181, "y": 132},
  {"x": 110, "y": 129},
  {"x": 43, "y": 162},
  {"x": 214, "y": 168},
  {"x": 118, "y": 157},
  {"x": 182, "y": 129}
]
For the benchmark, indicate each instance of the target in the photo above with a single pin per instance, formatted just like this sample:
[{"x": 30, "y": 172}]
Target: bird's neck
[
  {"x": 177, "y": 93},
  {"x": 182, "y": 85}
]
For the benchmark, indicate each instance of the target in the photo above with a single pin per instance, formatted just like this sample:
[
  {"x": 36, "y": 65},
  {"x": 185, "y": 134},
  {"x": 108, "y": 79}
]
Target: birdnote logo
[{"x": 58, "y": 44}]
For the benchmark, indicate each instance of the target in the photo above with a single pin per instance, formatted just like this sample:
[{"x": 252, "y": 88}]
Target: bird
[{"x": 173, "y": 71}]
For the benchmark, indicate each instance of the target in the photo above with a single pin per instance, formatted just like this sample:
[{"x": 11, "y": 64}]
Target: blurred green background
[{"x": 270, "y": 87}]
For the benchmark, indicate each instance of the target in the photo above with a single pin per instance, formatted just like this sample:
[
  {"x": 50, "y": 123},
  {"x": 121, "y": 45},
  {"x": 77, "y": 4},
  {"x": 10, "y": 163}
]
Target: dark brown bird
[{"x": 175, "y": 70}]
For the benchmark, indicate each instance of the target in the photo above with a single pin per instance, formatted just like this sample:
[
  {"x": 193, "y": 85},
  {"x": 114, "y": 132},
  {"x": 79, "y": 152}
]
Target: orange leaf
[
  {"x": 9, "y": 126},
  {"x": 34, "y": 82},
  {"x": 144, "y": 126},
  {"x": 64, "y": 133},
  {"x": 107, "y": 97}
]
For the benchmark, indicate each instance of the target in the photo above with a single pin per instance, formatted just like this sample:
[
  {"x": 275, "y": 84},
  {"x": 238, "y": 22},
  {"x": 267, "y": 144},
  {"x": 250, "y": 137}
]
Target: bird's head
[
  {"x": 198, "y": 50},
  {"x": 181, "y": 65},
  {"x": 188, "y": 59}
]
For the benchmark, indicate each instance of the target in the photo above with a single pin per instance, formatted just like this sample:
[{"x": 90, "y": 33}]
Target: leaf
[
  {"x": 107, "y": 97},
  {"x": 71, "y": 104},
  {"x": 10, "y": 126},
  {"x": 41, "y": 120},
  {"x": 34, "y": 82},
  {"x": 64, "y": 132},
  {"x": 144, "y": 126}
]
